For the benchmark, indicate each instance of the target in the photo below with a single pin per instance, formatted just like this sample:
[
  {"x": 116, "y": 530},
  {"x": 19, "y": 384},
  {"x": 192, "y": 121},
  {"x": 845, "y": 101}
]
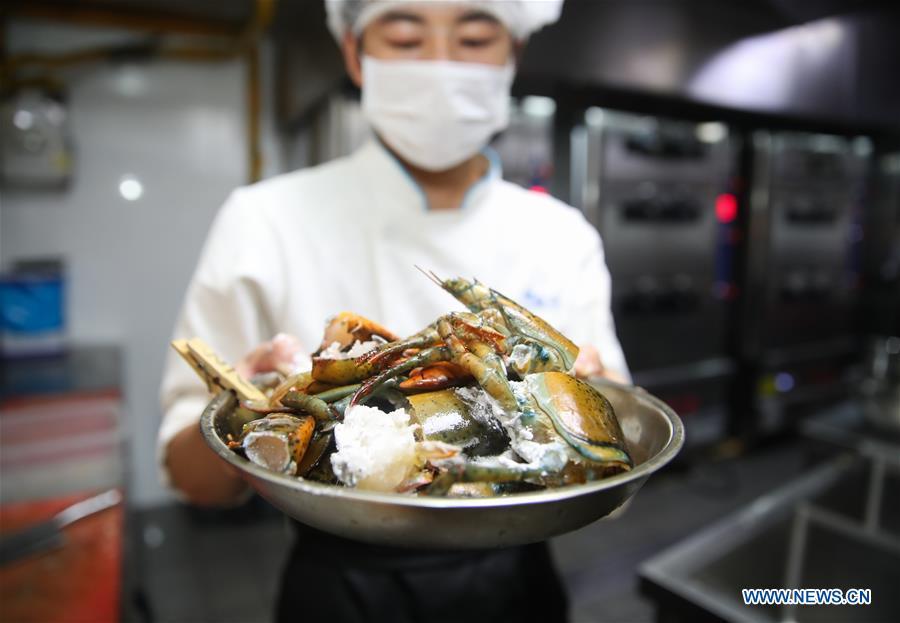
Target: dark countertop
[
  {"x": 82, "y": 369},
  {"x": 62, "y": 441}
]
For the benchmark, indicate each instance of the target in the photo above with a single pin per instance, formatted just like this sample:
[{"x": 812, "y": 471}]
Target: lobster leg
[
  {"x": 310, "y": 405},
  {"x": 425, "y": 357},
  {"x": 336, "y": 393},
  {"x": 464, "y": 471},
  {"x": 478, "y": 359},
  {"x": 423, "y": 339}
]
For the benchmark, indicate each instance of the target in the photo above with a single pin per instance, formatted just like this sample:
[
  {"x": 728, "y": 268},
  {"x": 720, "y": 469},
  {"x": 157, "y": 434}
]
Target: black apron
[{"x": 328, "y": 578}]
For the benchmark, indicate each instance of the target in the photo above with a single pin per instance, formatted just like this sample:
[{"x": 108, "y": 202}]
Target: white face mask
[{"x": 435, "y": 114}]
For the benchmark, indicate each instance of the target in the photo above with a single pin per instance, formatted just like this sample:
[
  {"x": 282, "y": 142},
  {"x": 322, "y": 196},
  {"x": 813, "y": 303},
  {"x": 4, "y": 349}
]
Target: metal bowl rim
[{"x": 548, "y": 496}]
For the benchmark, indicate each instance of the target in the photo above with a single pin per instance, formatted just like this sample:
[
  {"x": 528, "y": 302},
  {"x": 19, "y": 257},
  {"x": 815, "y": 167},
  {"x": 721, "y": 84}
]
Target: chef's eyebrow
[
  {"x": 477, "y": 15},
  {"x": 474, "y": 15},
  {"x": 400, "y": 16}
]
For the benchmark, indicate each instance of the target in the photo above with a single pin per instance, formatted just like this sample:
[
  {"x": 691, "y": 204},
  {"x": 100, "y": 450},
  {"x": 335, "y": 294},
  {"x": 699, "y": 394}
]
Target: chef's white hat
[{"x": 521, "y": 17}]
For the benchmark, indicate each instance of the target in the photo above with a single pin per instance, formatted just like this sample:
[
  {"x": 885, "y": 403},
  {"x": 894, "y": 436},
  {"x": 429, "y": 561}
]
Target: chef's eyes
[
  {"x": 405, "y": 36},
  {"x": 466, "y": 42},
  {"x": 479, "y": 42},
  {"x": 478, "y": 34},
  {"x": 405, "y": 44}
]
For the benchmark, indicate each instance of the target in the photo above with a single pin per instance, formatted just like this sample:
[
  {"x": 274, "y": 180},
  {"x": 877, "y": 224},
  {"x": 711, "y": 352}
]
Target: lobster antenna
[{"x": 430, "y": 274}]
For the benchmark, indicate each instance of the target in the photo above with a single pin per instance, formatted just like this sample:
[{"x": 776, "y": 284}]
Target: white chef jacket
[{"x": 287, "y": 253}]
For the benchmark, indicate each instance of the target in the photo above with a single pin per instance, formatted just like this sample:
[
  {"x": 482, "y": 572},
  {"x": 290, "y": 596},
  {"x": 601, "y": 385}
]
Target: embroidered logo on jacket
[{"x": 530, "y": 298}]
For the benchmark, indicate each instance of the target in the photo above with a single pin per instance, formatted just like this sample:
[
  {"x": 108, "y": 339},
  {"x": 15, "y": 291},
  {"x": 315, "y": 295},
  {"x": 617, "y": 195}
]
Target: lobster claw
[
  {"x": 276, "y": 442},
  {"x": 347, "y": 327},
  {"x": 436, "y": 376}
]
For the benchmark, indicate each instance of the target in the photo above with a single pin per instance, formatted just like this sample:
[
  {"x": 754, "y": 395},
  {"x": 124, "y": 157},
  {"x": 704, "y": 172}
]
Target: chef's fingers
[
  {"x": 288, "y": 354},
  {"x": 588, "y": 362},
  {"x": 283, "y": 353},
  {"x": 255, "y": 361}
]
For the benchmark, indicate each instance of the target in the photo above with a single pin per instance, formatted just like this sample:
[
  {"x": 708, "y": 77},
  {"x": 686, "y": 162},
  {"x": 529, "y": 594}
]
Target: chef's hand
[
  {"x": 195, "y": 470},
  {"x": 283, "y": 353},
  {"x": 589, "y": 364}
]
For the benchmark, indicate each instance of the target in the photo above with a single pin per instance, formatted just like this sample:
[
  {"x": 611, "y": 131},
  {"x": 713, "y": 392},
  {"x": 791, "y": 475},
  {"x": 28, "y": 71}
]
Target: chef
[{"x": 285, "y": 254}]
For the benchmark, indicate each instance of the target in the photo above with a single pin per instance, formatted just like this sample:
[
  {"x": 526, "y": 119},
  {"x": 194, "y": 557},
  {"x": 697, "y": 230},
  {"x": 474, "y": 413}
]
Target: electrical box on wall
[{"x": 35, "y": 145}]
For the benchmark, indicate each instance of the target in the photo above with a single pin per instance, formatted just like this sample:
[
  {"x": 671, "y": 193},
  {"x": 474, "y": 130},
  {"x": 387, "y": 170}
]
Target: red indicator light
[
  {"x": 539, "y": 189},
  {"x": 726, "y": 208}
]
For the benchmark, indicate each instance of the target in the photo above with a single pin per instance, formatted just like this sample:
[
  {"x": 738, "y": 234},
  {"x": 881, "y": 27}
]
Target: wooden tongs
[{"x": 215, "y": 371}]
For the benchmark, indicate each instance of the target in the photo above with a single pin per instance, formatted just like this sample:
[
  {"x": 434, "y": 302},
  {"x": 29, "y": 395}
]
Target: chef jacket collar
[{"x": 388, "y": 173}]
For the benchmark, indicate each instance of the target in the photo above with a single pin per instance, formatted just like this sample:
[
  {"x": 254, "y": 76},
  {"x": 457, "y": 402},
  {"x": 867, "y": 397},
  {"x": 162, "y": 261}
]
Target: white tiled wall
[{"x": 176, "y": 127}]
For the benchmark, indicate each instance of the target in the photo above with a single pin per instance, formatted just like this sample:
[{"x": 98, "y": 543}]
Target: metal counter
[{"x": 837, "y": 526}]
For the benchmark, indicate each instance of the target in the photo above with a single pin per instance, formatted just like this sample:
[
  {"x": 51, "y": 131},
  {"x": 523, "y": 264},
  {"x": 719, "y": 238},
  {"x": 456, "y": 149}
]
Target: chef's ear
[
  {"x": 351, "y": 46},
  {"x": 518, "y": 50}
]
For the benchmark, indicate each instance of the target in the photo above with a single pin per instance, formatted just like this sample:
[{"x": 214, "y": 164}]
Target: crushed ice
[{"x": 375, "y": 450}]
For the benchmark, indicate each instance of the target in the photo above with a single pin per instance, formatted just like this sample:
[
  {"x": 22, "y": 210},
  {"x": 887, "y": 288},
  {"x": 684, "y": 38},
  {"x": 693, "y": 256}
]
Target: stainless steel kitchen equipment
[
  {"x": 525, "y": 147},
  {"x": 835, "y": 526},
  {"x": 660, "y": 193},
  {"x": 49, "y": 534},
  {"x": 802, "y": 274},
  {"x": 818, "y": 531},
  {"x": 880, "y": 388},
  {"x": 653, "y": 432}
]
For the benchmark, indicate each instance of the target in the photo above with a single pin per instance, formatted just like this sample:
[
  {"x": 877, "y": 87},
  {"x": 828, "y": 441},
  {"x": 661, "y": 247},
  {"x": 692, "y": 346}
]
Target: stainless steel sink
[{"x": 836, "y": 527}]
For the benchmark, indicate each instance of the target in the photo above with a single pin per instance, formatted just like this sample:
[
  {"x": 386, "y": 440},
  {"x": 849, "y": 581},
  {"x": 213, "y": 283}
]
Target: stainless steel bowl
[{"x": 653, "y": 432}]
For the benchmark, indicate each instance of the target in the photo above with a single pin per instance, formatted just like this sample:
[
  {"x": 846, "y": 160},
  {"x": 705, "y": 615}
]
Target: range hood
[{"x": 800, "y": 59}]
